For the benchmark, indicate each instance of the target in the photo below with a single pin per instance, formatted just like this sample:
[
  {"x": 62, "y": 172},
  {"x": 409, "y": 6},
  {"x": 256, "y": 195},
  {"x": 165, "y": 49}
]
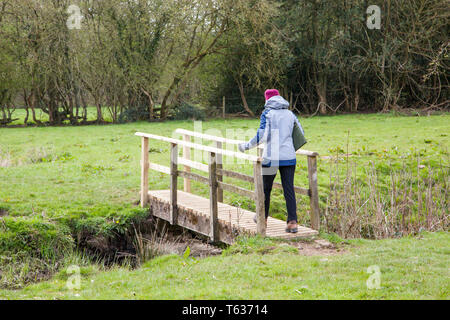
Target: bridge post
[
  {"x": 313, "y": 192},
  {"x": 260, "y": 152},
  {"x": 219, "y": 157},
  {"x": 144, "y": 172},
  {"x": 173, "y": 183},
  {"x": 187, "y": 155},
  {"x": 259, "y": 199},
  {"x": 213, "y": 208}
]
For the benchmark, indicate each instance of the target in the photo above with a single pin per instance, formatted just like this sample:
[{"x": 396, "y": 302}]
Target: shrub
[
  {"x": 134, "y": 114},
  {"x": 186, "y": 111}
]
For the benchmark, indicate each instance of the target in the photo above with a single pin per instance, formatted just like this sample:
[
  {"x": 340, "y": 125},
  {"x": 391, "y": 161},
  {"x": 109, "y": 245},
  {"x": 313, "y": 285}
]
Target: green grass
[
  {"x": 88, "y": 168},
  {"x": 411, "y": 268},
  {"x": 63, "y": 182}
]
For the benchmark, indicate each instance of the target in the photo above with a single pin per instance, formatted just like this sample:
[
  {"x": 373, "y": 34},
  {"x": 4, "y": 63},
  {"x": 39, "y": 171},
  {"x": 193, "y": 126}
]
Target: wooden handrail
[
  {"x": 159, "y": 168},
  {"x": 193, "y": 164},
  {"x": 233, "y": 141},
  {"x": 201, "y": 147}
]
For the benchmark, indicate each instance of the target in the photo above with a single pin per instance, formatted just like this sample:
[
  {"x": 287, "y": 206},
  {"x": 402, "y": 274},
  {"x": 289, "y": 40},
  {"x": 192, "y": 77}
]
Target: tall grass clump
[
  {"x": 31, "y": 249},
  {"x": 154, "y": 243},
  {"x": 396, "y": 196}
]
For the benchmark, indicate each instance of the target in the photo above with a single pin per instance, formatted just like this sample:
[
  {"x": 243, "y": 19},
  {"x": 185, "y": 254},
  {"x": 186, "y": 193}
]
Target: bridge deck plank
[{"x": 239, "y": 218}]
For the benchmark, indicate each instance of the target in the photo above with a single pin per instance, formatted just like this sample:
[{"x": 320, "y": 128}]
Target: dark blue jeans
[{"x": 287, "y": 180}]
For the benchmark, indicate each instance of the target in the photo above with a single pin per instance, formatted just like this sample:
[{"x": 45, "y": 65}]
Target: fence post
[
  {"x": 219, "y": 165},
  {"x": 313, "y": 192},
  {"x": 213, "y": 208},
  {"x": 223, "y": 107},
  {"x": 259, "y": 199},
  {"x": 144, "y": 172},
  {"x": 187, "y": 155},
  {"x": 260, "y": 152},
  {"x": 173, "y": 183}
]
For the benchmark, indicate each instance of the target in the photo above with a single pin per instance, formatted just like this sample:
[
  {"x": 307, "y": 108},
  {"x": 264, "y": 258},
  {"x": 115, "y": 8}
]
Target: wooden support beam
[
  {"x": 193, "y": 176},
  {"x": 187, "y": 156},
  {"x": 213, "y": 208},
  {"x": 159, "y": 168},
  {"x": 173, "y": 183},
  {"x": 259, "y": 199},
  {"x": 219, "y": 166},
  {"x": 314, "y": 195},
  {"x": 144, "y": 172},
  {"x": 236, "y": 175},
  {"x": 193, "y": 165},
  {"x": 235, "y": 189}
]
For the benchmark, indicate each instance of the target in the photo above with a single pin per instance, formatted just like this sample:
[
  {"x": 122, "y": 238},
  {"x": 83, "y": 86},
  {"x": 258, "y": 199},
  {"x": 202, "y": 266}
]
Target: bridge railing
[
  {"x": 311, "y": 192},
  {"x": 257, "y": 195},
  {"x": 216, "y": 172}
]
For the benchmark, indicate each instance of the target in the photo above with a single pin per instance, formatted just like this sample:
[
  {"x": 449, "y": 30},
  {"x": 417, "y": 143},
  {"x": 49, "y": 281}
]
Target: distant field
[{"x": 20, "y": 114}]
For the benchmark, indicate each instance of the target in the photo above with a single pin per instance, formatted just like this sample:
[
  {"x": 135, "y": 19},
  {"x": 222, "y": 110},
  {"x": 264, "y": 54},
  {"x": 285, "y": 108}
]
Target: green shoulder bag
[{"x": 297, "y": 137}]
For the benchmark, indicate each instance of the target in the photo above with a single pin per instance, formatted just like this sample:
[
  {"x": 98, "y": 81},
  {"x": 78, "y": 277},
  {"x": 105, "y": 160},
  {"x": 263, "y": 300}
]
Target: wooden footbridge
[{"x": 211, "y": 217}]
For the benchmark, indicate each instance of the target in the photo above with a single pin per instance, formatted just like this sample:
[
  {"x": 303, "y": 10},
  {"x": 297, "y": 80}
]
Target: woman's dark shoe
[{"x": 292, "y": 227}]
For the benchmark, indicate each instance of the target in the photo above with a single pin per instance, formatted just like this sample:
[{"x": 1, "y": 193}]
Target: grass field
[
  {"x": 61, "y": 169},
  {"x": 410, "y": 268},
  {"x": 59, "y": 183}
]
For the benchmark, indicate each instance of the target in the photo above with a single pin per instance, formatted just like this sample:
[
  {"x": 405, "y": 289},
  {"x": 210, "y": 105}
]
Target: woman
[{"x": 275, "y": 130}]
